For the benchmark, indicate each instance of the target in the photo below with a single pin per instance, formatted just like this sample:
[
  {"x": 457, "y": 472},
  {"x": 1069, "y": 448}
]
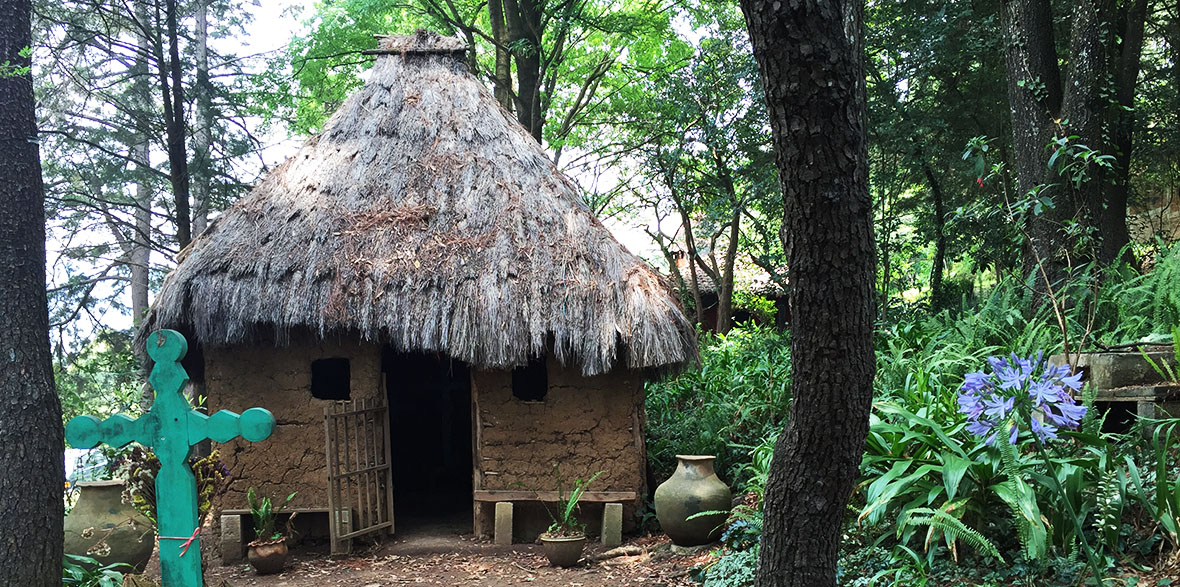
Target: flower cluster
[{"x": 1020, "y": 389}]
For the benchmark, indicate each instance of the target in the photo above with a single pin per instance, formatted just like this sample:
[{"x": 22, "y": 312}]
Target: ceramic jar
[
  {"x": 104, "y": 528},
  {"x": 692, "y": 489}
]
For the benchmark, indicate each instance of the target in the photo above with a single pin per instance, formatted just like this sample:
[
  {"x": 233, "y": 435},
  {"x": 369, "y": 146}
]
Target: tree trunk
[
  {"x": 524, "y": 32},
  {"x": 810, "y": 56},
  {"x": 141, "y": 251},
  {"x": 1034, "y": 96},
  {"x": 172, "y": 94},
  {"x": 1113, "y": 218},
  {"x": 937, "y": 266},
  {"x": 31, "y": 463},
  {"x": 202, "y": 178},
  {"x": 502, "y": 75}
]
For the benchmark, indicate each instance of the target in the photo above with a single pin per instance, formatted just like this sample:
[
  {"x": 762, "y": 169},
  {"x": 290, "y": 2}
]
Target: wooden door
[{"x": 360, "y": 479}]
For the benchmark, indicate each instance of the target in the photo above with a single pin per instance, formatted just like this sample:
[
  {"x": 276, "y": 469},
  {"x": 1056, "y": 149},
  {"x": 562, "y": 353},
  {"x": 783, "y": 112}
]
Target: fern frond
[{"x": 952, "y": 527}]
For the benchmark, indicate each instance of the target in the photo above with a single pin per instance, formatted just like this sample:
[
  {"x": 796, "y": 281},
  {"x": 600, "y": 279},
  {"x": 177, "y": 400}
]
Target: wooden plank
[
  {"x": 388, "y": 461},
  {"x": 494, "y": 495},
  {"x": 284, "y": 512},
  {"x": 333, "y": 497},
  {"x": 357, "y": 533}
]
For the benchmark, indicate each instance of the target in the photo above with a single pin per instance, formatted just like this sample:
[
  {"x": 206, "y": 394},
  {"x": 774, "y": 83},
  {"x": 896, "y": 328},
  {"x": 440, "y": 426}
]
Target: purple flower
[{"x": 1014, "y": 390}]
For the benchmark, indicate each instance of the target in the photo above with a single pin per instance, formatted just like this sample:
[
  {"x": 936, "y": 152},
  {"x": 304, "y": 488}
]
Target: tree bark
[
  {"x": 31, "y": 462},
  {"x": 810, "y": 56},
  {"x": 524, "y": 33},
  {"x": 502, "y": 75},
  {"x": 141, "y": 251},
  {"x": 1113, "y": 220},
  {"x": 203, "y": 119},
  {"x": 1034, "y": 96},
  {"x": 937, "y": 265},
  {"x": 172, "y": 94}
]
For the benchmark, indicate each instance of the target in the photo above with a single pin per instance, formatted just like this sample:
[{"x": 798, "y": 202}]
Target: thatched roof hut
[
  {"x": 424, "y": 216},
  {"x": 421, "y": 281}
]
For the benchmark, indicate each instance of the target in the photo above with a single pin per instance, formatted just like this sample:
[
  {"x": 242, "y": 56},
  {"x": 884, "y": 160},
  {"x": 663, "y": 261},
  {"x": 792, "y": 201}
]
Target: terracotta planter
[
  {"x": 104, "y": 528},
  {"x": 692, "y": 489},
  {"x": 267, "y": 556},
  {"x": 563, "y": 551}
]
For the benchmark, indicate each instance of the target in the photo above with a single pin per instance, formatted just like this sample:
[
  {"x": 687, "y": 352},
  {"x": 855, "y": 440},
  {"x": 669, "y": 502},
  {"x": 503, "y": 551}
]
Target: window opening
[
  {"x": 530, "y": 382},
  {"x": 331, "y": 379}
]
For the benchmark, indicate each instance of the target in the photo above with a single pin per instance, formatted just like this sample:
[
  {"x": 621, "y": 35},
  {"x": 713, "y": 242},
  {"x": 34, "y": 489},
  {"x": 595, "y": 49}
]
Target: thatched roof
[{"x": 425, "y": 216}]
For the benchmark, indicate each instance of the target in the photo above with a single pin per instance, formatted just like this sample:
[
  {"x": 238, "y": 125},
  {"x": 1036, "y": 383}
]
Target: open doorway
[{"x": 430, "y": 437}]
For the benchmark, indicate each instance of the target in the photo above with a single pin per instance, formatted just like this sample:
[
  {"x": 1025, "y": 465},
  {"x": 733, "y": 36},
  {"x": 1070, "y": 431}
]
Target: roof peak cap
[{"x": 422, "y": 42}]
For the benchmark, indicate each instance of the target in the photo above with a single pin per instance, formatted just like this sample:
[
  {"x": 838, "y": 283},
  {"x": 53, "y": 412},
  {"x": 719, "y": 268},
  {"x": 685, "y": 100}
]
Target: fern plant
[{"x": 953, "y": 530}]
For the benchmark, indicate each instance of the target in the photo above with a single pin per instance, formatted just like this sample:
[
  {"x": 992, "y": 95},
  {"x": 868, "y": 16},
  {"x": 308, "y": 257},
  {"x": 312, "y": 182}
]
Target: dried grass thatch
[{"x": 424, "y": 216}]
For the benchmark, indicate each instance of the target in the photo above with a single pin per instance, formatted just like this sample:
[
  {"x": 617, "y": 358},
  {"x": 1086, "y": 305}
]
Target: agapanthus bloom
[{"x": 1018, "y": 389}]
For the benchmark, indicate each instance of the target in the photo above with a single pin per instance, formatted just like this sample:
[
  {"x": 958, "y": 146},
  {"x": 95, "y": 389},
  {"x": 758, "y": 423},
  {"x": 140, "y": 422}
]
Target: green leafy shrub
[
  {"x": 84, "y": 571},
  {"x": 738, "y": 396}
]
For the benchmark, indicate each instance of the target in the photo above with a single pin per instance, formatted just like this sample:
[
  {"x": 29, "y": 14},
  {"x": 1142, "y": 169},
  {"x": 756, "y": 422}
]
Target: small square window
[
  {"x": 331, "y": 379},
  {"x": 530, "y": 383}
]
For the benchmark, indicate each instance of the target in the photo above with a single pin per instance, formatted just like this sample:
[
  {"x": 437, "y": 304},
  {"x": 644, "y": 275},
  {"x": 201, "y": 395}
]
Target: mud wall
[
  {"x": 584, "y": 424},
  {"x": 279, "y": 379}
]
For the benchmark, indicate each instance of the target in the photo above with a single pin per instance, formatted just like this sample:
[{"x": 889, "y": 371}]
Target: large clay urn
[
  {"x": 692, "y": 489},
  {"x": 104, "y": 528}
]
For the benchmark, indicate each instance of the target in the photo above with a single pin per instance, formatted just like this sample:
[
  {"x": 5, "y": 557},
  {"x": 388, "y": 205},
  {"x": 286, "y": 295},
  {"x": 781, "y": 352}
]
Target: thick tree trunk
[
  {"x": 31, "y": 464},
  {"x": 1034, "y": 96},
  {"x": 810, "y": 56},
  {"x": 202, "y": 177}
]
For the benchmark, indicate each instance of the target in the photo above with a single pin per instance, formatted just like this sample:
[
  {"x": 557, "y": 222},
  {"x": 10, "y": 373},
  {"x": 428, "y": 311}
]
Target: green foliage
[
  {"x": 141, "y": 467},
  {"x": 734, "y": 569},
  {"x": 264, "y": 514},
  {"x": 100, "y": 379},
  {"x": 84, "y": 571},
  {"x": 565, "y": 521},
  {"x": 951, "y": 527},
  {"x": 1164, "y": 369},
  {"x": 738, "y": 396}
]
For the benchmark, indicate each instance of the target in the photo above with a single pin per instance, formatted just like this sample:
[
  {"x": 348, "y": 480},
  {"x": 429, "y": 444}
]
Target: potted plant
[
  {"x": 268, "y": 552},
  {"x": 564, "y": 539}
]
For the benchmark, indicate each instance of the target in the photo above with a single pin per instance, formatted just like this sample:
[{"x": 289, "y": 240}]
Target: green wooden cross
[{"x": 171, "y": 427}]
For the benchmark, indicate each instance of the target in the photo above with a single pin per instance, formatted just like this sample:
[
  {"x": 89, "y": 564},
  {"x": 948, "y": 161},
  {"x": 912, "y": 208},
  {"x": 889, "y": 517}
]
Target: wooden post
[{"x": 171, "y": 428}]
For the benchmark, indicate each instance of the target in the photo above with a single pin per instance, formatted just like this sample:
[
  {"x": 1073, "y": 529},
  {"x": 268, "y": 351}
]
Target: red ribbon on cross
[{"x": 187, "y": 541}]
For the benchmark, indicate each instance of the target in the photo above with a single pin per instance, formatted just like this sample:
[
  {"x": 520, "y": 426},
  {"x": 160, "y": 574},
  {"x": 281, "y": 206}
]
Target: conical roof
[{"x": 425, "y": 216}]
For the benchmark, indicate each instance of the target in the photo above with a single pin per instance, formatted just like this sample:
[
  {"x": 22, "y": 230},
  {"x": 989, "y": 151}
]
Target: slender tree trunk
[
  {"x": 140, "y": 151},
  {"x": 937, "y": 266},
  {"x": 1113, "y": 219},
  {"x": 725, "y": 288},
  {"x": 172, "y": 94},
  {"x": 503, "y": 70},
  {"x": 524, "y": 31},
  {"x": 202, "y": 177},
  {"x": 31, "y": 462},
  {"x": 810, "y": 56}
]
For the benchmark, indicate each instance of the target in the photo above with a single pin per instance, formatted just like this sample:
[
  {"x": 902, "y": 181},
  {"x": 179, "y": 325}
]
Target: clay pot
[
  {"x": 563, "y": 551},
  {"x": 104, "y": 528},
  {"x": 692, "y": 489},
  {"x": 267, "y": 556}
]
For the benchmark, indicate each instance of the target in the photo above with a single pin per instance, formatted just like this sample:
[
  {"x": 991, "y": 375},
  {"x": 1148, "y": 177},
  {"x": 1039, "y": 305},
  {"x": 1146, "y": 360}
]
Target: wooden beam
[{"x": 495, "y": 495}]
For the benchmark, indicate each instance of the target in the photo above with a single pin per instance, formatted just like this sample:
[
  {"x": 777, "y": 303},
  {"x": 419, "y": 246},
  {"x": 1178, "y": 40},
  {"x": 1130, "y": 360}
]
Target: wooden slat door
[{"x": 360, "y": 478}]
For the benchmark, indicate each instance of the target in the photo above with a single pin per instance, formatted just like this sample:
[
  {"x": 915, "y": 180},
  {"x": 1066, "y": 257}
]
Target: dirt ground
[{"x": 438, "y": 558}]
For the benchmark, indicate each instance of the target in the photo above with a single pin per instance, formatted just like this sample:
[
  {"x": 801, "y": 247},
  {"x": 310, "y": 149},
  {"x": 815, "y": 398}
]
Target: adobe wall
[
  {"x": 584, "y": 424},
  {"x": 279, "y": 379}
]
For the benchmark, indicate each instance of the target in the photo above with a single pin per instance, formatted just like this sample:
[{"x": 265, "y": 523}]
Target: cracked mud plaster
[
  {"x": 279, "y": 379},
  {"x": 585, "y": 425}
]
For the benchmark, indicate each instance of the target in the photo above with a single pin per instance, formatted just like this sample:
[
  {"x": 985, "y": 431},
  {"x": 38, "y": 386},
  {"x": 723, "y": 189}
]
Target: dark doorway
[{"x": 430, "y": 436}]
